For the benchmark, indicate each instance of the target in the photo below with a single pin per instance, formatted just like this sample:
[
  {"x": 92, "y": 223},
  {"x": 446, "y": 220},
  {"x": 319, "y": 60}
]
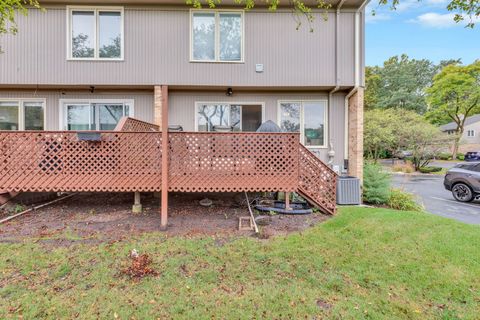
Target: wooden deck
[{"x": 130, "y": 159}]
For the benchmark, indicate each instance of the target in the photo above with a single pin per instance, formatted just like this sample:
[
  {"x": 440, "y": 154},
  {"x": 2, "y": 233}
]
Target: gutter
[
  {"x": 357, "y": 73},
  {"x": 331, "y": 151}
]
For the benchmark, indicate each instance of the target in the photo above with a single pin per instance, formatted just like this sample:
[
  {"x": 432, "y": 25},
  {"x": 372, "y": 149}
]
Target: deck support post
[
  {"x": 137, "y": 205},
  {"x": 164, "y": 128},
  {"x": 287, "y": 201}
]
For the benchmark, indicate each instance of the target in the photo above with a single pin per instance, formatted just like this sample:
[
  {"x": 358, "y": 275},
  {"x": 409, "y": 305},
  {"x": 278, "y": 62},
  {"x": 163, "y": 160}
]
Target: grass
[{"x": 362, "y": 264}]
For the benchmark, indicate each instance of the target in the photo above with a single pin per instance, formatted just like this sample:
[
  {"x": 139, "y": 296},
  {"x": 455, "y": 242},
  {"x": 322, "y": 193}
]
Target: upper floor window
[
  {"x": 470, "y": 133},
  {"x": 217, "y": 36},
  {"x": 95, "y": 33},
  {"x": 307, "y": 117},
  {"x": 22, "y": 114}
]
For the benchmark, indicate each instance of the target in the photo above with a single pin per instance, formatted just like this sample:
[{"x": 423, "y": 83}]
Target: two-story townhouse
[
  {"x": 82, "y": 65},
  {"x": 470, "y": 140}
]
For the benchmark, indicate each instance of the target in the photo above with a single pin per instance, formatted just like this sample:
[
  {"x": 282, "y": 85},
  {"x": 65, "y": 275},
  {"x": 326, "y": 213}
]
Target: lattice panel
[
  {"x": 317, "y": 181},
  {"x": 215, "y": 162},
  {"x": 135, "y": 125},
  {"x": 58, "y": 161}
]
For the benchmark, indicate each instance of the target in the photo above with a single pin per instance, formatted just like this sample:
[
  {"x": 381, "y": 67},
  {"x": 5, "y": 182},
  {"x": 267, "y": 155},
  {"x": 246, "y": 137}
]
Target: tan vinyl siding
[
  {"x": 157, "y": 52},
  {"x": 182, "y": 111},
  {"x": 143, "y": 102},
  {"x": 346, "y": 67},
  {"x": 182, "y": 107}
]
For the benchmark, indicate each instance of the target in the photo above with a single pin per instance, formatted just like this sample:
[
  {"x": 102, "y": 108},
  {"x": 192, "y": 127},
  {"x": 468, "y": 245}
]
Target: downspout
[
  {"x": 331, "y": 151},
  {"x": 357, "y": 73}
]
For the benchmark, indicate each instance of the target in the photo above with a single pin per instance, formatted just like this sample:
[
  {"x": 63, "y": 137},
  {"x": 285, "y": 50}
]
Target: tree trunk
[
  {"x": 456, "y": 143},
  {"x": 455, "y": 148}
]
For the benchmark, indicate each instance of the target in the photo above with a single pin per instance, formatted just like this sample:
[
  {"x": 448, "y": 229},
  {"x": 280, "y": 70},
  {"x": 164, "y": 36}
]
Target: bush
[
  {"x": 376, "y": 184},
  {"x": 444, "y": 156},
  {"x": 460, "y": 156},
  {"x": 405, "y": 168},
  {"x": 401, "y": 200},
  {"x": 430, "y": 169}
]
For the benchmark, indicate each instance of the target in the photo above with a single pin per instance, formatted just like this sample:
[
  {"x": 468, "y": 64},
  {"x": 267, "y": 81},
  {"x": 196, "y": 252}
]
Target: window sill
[
  {"x": 219, "y": 62},
  {"x": 95, "y": 60}
]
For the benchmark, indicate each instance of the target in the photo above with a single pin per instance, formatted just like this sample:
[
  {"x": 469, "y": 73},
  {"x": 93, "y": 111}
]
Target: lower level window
[
  {"x": 307, "y": 117},
  {"x": 470, "y": 133},
  {"x": 22, "y": 115},
  {"x": 218, "y": 117},
  {"x": 229, "y": 116},
  {"x": 95, "y": 115}
]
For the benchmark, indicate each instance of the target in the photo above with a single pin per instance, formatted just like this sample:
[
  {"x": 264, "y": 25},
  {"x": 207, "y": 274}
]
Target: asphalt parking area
[{"x": 431, "y": 193}]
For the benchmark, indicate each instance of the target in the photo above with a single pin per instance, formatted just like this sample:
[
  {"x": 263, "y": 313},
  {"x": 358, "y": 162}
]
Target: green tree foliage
[
  {"x": 8, "y": 9},
  {"x": 378, "y": 133},
  {"x": 376, "y": 184},
  {"x": 397, "y": 129},
  {"x": 400, "y": 83},
  {"x": 420, "y": 137},
  {"x": 454, "y": 96}
]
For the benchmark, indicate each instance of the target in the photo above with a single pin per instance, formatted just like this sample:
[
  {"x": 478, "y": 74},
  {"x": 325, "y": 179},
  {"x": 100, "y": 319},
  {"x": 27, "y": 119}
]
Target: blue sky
[{"x": 420, "y": 29}]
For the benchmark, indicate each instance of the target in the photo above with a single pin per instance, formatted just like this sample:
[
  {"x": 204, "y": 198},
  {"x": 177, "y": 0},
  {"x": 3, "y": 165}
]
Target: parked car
[
  {"x": 472, "y": 156},
  {"x": 464, "y": 181},
  {"x": 403, "y": 154}
]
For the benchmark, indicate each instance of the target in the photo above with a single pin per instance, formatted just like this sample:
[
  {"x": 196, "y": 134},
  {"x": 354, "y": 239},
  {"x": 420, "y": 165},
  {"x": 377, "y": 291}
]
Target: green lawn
[{"x": 362, "y": 264}]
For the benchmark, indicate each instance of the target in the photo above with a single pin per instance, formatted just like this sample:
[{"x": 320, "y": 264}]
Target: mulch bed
[{"x": 103, "y": 217}]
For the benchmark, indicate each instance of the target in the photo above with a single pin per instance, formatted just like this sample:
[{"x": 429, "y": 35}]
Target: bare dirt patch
[{"x": 100, "y": 217}]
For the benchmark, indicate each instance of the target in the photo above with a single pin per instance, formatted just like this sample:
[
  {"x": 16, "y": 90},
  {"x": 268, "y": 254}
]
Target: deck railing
[{"x": 131, "y": 161}]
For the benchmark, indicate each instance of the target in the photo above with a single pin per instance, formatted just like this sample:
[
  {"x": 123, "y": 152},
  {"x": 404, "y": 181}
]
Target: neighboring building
[
  {"x": 470, "y": 140},
  {"x": 83, "y": 67}
]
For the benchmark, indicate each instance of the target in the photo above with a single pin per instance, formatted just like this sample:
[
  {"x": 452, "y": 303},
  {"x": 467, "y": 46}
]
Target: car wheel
[{"x": 463, "y": 193}]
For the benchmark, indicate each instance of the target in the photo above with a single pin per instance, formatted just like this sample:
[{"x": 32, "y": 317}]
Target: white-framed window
[
  {"x": 22, "y": 114},
  {"x": 229, "y": 116},
  {"x": 217, "y": 36},
  {"x": 309, "y": 117},
  {"x": 470, "y": 133},
  {"x": 95, "y": 33},
  {"x": 94, "y": 114}
]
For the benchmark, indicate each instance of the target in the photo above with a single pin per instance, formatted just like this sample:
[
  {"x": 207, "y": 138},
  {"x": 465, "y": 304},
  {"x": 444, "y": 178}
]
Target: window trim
[
  {"x": 95, "y": 9},
  {"x": 473, "y": 133},
  {"x": 217, "y": 34},
  {"x": 21, "y": 110},
  {"x": 64, "y": 102},
  {"x": 252, "y": 103},
  {"x": 302, "y": 118}
]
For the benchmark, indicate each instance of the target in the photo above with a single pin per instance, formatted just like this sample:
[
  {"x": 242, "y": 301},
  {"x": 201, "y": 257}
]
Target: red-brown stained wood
[{"x": 132, "y": 161}]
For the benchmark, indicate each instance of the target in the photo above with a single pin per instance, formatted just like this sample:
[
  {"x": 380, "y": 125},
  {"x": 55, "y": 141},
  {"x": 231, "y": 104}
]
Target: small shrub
[
  {"x": 460, "y": 156},
  {"x": 430, "y": 169},
  {"x": 405, "y": 168},
  {"x": 376, "y": 184},
  {"x": 401, "y": 200},
  {"x": 444, "y": 156}
]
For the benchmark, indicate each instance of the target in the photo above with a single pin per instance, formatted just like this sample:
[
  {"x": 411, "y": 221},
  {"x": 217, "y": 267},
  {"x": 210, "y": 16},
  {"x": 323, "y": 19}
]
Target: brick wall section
[
  {"x": 157, "y": 106},
  {"x": 355, "y": 134}
]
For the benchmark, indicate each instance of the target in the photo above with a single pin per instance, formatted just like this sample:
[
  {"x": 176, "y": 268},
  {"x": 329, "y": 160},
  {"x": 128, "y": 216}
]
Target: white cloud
[
  {"x": 439, "y": 21},
  {"x": 435, "y": 20},
  {"x": 386, "y": 12},
  {"x": 437, "y": 2}
]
